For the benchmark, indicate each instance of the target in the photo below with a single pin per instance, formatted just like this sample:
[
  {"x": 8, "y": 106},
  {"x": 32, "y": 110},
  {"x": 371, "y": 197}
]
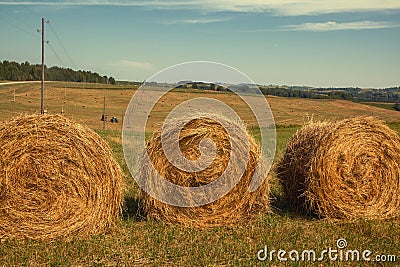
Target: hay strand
[
  {"x": 343, "y": 170},
  {"x": 58, "y": 179}
]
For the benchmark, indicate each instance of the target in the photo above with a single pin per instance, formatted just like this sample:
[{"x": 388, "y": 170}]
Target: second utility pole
[
  {"x": 42, "y": 94},
  {"x": 104, "y": 114}
]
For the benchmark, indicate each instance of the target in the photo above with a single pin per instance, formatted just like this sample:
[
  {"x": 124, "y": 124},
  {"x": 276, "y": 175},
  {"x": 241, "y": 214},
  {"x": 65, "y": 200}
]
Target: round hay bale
[
  {"x": 235, "y": 207},
  {"x": 57, "y": 179},
  {"x": 343, "y": 170}
]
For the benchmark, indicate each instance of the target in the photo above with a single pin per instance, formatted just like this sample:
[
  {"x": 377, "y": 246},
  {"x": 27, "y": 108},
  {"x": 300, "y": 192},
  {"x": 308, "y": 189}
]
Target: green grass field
[{"x": 137, "y": 241}]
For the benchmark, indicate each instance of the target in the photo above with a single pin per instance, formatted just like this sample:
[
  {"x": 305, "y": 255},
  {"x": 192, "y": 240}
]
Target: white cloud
[
  {"x": 196, "y": 21},
  {"x": 278, "y": 7},
  {"x": 335, "y": 26},
  {"x": 132, "y": 64}
]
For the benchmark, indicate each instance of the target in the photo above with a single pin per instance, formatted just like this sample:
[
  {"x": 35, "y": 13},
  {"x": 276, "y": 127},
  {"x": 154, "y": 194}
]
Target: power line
[
  {"x": 53, "y": 50},
  {"x": 20, "y": 22},
  {"x": 22, "y": 25},
  {"x": 26, "y": 25},
  {"x": 55, "y": 53},
  {"x": 63, "y": 47},
  {"x": 22, "y": 19},
  {"x": 16, "y": 25}
]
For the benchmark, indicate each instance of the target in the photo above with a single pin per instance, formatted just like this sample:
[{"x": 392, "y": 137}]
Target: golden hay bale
[
  {"x": 237, "y": 206},
  {"x": 346, "y": 169},
  {"x": 58, "y": 179}
]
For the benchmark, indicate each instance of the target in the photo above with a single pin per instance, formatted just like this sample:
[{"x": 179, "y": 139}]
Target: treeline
[
  {"x": 13, "y": 71},
  {"x": 356, "y": 94},
  {"x": 389, "y": 95},
  {"x": 285, "y": 92}
]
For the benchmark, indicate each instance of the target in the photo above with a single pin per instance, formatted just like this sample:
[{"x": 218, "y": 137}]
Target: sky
[{"x": 282, "y": 42}]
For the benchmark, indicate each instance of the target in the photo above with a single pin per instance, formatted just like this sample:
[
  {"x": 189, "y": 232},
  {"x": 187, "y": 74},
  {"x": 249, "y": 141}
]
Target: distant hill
[
  {"x": 387, "y": 95},
  {"x": 355, "y": 94},
  {"x": 13, "y": 71}
]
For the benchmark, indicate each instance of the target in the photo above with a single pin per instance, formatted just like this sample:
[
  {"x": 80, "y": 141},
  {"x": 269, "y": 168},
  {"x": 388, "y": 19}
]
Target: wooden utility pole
[
  {"x": 42, "y": 93},
  {"x": 104, "y": 114}
]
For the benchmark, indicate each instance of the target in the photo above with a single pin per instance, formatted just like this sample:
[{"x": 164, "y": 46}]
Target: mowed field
[{"x": 141, "y": 242}]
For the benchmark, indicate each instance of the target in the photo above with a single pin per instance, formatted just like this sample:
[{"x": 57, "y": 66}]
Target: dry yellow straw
[
  {"x": 237, "y": 206},
  {"x": 346, "y": 169},
  {"x": 58, "y": 179}
]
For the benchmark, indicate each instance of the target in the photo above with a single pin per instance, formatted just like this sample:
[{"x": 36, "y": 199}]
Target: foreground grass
[
  {"x": 138, "y": 241},
  {"x": 147, "y": 242}
]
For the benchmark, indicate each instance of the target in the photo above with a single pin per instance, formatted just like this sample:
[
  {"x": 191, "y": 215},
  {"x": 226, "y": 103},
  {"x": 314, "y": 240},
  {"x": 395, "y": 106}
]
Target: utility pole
[
  {"x": 42, "y": 93},
  {"x": 104, "y": 114}
]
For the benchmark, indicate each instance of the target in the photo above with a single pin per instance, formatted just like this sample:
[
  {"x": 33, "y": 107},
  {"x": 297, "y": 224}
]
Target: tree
[
  {"x": 111, "y": 80},
  {"x": 10, "y": 70}
]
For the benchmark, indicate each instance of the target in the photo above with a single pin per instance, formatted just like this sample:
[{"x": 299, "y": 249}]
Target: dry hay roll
[
  {"x": 58, "y": 179},
  {"x": 236, "y": 207},
  {"x": 343, "y": 170}
]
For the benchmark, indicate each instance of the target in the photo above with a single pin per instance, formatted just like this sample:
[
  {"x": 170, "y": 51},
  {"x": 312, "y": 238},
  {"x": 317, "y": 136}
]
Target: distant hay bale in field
[
  {"x": 58, "y": 179},
  {"x": 343, "y": 170},
  {"x": 237, "y": 206}
]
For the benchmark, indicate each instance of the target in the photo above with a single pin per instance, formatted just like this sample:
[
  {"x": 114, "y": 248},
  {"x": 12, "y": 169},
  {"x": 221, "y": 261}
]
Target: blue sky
[{"x": 286, "y": 42}]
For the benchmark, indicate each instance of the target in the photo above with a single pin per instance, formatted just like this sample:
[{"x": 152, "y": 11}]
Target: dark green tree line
[{"x": 13, "y": 71}]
